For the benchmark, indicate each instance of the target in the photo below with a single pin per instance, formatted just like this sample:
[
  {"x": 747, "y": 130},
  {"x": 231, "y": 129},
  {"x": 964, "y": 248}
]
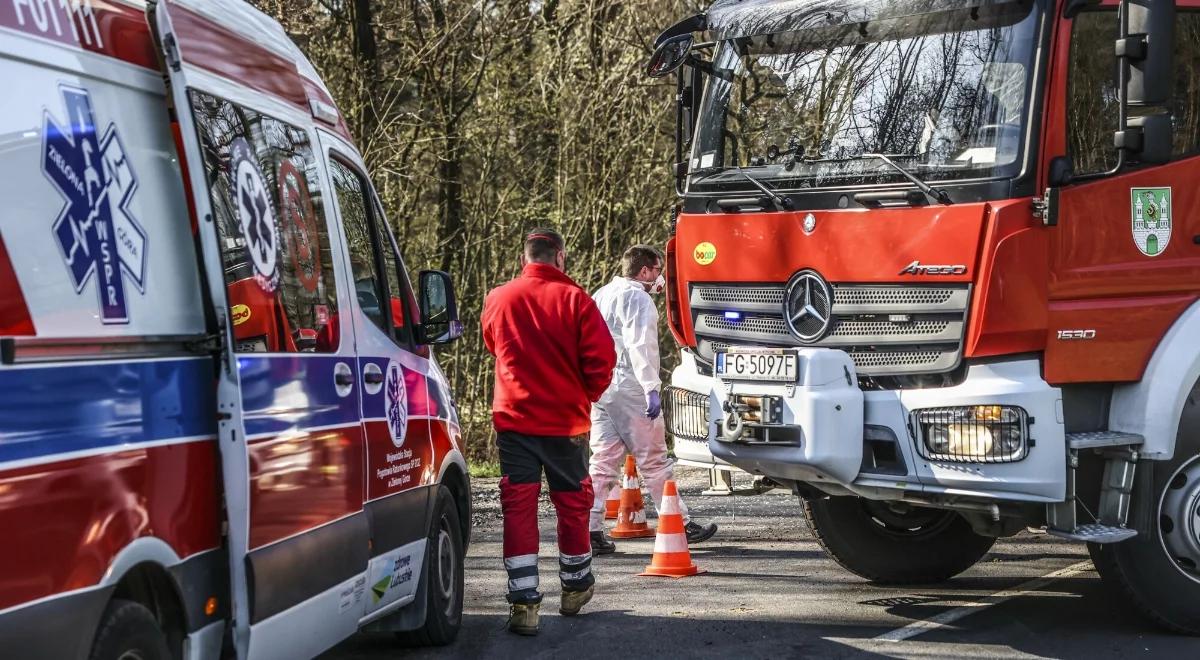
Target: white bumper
[{"x": 830, "y": 443}]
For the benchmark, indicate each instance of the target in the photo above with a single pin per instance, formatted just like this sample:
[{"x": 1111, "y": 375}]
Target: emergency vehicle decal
[
  {"x": 95, "y": 231},
  {"x": 255, "y": 214},
  {"x": 1150, "y": 211},
  {"x": 240, "y": 314},
  {"x": 301, "y": 226},
  {"x": 397, "y": 403}
]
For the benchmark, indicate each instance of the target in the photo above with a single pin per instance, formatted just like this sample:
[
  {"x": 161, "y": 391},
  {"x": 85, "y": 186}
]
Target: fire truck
[
  {"x": 935, "y": 267},
  {"x": 223, "y": 429}
]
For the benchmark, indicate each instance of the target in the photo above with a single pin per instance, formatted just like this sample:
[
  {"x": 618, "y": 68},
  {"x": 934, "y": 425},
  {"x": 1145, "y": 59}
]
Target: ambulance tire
[
  {"x": 129, "y": 631},
  {"x": 444, "y": 577},
  {"x": 870, "y": 540},
  {"x": 1141, "y": 570}
]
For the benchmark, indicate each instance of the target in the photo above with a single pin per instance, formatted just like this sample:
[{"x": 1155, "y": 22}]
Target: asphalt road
[{"x": 770, "y": 592}]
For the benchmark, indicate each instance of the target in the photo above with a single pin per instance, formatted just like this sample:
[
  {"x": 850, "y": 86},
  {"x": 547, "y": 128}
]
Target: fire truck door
[{"x": 289, "y": 386}]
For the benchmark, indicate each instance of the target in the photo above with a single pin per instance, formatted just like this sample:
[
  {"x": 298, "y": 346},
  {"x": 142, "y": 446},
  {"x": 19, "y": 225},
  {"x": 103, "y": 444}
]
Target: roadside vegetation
[{"x": 480, "y": 120}]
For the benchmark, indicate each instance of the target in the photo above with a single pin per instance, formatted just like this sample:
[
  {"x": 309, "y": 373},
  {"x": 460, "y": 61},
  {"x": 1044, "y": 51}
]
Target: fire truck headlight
[{"x": 972, "y": 434}]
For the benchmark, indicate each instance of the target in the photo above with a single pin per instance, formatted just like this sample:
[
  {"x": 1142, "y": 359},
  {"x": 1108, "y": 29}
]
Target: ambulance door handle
[
  {"x": 373, "y": 378},
  {"x": 343, "y": 379}
]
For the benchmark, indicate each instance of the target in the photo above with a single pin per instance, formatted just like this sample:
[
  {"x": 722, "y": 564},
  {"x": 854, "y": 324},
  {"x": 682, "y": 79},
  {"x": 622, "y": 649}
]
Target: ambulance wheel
[
  {"x": 887, "y": 546},
  {"x": 128, "y": 631},
  {"x": 444, "y": 577},
  {"x": 1159, "y": 572}
]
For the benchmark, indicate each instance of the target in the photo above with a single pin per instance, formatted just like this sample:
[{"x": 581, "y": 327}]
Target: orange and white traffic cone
[
  {"x": 631, "y": 516},
  {"x": 612, "y": 505},
  {"x": 671, "y": 556}
]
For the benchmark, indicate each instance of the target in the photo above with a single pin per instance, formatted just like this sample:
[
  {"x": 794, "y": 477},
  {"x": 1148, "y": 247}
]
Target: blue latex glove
[{"x": 653, "y": 405}]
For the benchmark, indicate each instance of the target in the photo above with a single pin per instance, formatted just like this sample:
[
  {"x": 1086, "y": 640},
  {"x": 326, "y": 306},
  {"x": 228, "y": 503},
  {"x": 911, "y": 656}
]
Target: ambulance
[{"x": 223, "y": 431}]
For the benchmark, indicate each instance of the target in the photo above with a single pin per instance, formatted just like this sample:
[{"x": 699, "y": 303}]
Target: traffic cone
[
  {"x": 613, "y": 504},
  {"x": 671, "y": 556},
  {"x": 631, "y": 516}
]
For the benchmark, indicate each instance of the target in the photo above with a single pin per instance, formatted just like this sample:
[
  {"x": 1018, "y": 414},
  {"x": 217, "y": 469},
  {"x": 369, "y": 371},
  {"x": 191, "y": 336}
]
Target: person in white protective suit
[{"x": 628, "y": 415}]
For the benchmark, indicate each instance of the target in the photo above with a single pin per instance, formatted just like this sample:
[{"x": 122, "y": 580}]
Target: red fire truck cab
[{"x": 936, "y": 266}]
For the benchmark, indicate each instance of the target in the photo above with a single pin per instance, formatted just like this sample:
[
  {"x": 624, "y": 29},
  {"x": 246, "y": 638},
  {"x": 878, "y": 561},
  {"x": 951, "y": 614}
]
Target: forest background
[{"x": 481, "y": 119}]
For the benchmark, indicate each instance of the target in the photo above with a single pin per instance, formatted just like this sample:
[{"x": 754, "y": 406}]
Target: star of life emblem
[
  {"x": 95, "y": 230},
  {"x": 396, "y": 403},
  {"x": 256, "y": 216},
  {"x": 1150, "y": 210}
]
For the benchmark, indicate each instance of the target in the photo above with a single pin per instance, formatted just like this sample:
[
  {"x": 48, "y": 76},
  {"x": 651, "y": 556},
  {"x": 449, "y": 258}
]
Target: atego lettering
[{"x": 917, "y": 268}]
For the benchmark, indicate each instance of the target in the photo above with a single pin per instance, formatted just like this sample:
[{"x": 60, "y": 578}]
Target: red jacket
[{"x": 554, "y": 353}]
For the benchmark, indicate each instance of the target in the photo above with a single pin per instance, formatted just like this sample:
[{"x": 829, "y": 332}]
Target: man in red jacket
[{"x": 554, "y": 358}]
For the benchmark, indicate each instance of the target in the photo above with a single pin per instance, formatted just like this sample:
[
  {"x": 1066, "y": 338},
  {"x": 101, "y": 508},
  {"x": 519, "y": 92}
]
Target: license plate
[{"x": 776, "y": 365}]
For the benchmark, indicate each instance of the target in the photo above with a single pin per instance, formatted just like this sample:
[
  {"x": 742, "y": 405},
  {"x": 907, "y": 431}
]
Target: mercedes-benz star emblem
[
  {"x": 808, "y": 306},
  {"x": 810, "y": 223}
]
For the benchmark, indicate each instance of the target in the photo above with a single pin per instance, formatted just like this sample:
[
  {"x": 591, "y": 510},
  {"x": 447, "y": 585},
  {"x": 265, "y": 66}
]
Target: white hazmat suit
[{"x": 619, "y": 421}]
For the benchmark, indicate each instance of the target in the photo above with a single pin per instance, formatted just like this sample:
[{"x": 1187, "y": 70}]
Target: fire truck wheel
[
  {"x": 886, "y": 546},
  {"x": 128, "y": 631},
  {"x": 444, "y": 576},
  {"x": 1160, "y": 572}
]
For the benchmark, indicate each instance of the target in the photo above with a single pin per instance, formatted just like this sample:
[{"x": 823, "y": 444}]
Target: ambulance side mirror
[{"x": 439, "y": 311}]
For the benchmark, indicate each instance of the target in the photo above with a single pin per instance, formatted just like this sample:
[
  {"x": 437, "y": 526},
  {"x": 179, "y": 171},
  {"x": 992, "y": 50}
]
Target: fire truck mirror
[
  {"x": 669, "y": 55},
  {"x": 1150, "y": 49},
  {"x": 1155, "y": 138},
  {"x": 1062, "y": 170}
]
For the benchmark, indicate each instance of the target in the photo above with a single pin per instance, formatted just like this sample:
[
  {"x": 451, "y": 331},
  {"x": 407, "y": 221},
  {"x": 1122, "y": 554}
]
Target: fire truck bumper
[{"x": 998, "y": 435}]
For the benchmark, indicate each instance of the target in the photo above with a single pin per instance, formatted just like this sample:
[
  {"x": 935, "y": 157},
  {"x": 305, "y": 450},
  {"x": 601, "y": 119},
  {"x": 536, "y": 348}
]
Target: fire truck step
[
  {"x": 1095, "y": 533},
  {"x": 1094, "y": 439}
]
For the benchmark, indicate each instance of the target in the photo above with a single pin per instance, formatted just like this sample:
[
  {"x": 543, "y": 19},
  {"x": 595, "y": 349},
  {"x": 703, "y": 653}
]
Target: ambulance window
[
  {"x": 397, "y": 278},
  {"x": 1092, "y": 92},
  {"x": 372, "y": 258},
  {"x": 266, "y": 201}
]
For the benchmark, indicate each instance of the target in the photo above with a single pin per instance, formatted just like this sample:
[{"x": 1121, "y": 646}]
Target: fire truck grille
[{"x": 886, "y": 329}]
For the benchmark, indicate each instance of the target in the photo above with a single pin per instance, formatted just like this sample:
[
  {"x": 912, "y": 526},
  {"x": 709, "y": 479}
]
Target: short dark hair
[
  {"x": 638, "y": 257},
  {"x": 542, "y": 243}
]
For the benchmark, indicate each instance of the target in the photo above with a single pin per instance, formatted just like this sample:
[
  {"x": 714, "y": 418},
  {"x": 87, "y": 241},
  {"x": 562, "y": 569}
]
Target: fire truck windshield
[{"x": 945, "y": 95}]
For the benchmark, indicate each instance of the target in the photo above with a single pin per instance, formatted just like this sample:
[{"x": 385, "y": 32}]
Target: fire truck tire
[
  {"x": 1160, "y": 572},
  {"x": 871, "y": 540},
  {"x": 444, "y": 577},
  {"x": 129, "y": 631}
]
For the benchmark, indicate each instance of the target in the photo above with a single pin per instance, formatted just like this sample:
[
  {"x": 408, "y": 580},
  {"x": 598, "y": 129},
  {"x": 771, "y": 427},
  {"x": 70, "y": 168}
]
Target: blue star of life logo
[
  {"x": 95, "y": 230},
  {"x": 397, "y": 404}
]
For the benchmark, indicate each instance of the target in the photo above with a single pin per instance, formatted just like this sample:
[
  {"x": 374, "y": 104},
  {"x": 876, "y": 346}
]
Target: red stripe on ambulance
[
  {"x": 106, "y": 28},
  {"x": 15, "y": 320},
  {"x": 67, "y": 520}
]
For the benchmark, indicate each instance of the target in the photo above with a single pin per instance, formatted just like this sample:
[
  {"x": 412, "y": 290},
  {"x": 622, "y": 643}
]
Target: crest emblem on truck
[
  {"x": 96, "y": 231},
  {"x": 808, "y": 306},
  {"x": 1150, "y": 210},
  {"x": 810, "y": 223},
  {"x": 396, "y": 403}
]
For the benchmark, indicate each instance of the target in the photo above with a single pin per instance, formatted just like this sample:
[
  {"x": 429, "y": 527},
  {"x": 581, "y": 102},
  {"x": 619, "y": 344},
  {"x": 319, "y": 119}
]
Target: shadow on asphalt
[{"x": 608, "y": 634}]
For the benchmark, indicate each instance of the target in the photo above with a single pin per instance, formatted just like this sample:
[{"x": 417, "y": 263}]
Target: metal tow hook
[{"x": 732, "y": 423}]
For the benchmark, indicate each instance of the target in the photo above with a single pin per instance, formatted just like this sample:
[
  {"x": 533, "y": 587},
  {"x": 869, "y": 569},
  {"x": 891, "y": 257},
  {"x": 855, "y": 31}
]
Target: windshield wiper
[
  {"x": 784, "y": 204},
  {"x": 936, "y": 194}
]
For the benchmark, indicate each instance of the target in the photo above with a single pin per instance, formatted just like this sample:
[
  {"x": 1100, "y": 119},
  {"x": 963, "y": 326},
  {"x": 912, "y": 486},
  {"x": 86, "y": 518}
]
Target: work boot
[
  {"x": 697, "y": 532},
  {"x": 601, "y": 545},
  {"x": 573, "y": 601},
  {"x": 523, "y": 618}
]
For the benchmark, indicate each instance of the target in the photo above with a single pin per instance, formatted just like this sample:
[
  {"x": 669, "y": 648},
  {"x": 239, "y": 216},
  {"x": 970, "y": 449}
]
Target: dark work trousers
[{"x": 522, "y": 459}]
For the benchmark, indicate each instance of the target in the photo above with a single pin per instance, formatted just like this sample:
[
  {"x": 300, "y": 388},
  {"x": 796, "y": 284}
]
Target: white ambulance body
[{"x": 222, "y": 429}]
